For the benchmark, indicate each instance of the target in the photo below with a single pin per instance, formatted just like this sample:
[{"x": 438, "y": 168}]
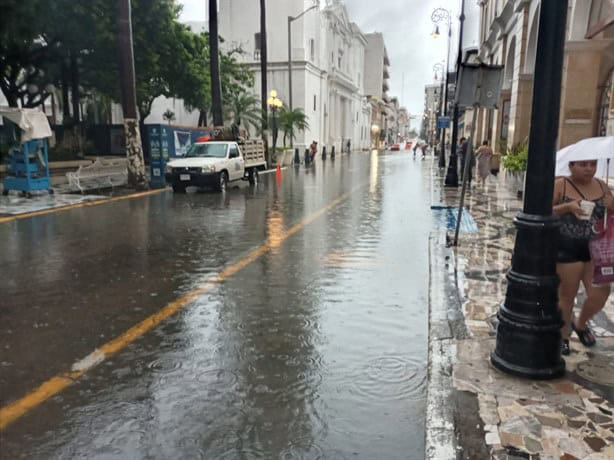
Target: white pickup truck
[{"x": 216, "y": 164}]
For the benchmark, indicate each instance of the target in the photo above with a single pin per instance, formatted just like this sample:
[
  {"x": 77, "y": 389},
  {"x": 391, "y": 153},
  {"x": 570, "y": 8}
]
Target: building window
[
  {"x": 339, "y": 58},
  {"x": 332, "y": 58},
  {"x": 257, "y": 45},
  {"x": 314, "y": 102},
  {"x": 312, "y": 49}
]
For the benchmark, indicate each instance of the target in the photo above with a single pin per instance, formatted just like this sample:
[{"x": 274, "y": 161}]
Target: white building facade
[{"x": 328, "y": 62}]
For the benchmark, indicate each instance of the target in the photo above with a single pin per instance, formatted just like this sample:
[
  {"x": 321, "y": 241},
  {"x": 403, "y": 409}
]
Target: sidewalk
[{"x": 477, "y": 412}]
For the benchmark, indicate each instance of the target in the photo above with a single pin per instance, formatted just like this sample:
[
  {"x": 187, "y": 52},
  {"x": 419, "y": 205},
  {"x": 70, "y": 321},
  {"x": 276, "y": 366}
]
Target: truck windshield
[{"x": 207, "y": 150}]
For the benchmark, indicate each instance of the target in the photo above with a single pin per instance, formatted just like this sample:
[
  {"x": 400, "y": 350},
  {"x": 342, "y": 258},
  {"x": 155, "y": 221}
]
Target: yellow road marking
[
  {"x": 80, "y": 205},
  {"x": 56, "y": 384}
]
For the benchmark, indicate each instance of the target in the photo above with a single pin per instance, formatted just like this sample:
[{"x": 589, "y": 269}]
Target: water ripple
[{"x": 391, "y": 378}]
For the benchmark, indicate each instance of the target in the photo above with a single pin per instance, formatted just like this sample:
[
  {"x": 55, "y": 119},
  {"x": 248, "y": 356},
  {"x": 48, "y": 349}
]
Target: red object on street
[
  {"x": 204, "y": 138},
  {"x": 278, "y": 173},
  {"x": 395, "y": 147}
]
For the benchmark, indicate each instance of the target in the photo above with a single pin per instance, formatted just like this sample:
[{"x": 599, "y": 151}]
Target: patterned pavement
[{"x": 570, "y": 418}]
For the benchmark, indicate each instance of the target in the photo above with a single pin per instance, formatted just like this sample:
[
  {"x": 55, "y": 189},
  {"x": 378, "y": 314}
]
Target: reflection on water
[{"x": 317, "y": 349}]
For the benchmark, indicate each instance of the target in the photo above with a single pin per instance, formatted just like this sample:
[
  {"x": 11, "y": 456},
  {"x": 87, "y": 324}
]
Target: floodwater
[{"x": 314, "y": 348}]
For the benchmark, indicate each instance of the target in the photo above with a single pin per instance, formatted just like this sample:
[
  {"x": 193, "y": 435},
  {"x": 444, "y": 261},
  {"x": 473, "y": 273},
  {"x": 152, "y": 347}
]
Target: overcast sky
[{"x": 407, "y": 28}]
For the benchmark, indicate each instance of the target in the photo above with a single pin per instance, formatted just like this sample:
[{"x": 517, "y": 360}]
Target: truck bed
[{"x": 253, "y": 152}]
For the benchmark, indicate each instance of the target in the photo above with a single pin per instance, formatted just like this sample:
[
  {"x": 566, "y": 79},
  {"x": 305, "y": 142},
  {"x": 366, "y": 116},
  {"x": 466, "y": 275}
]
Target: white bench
[{"x": 99, "y": 174}]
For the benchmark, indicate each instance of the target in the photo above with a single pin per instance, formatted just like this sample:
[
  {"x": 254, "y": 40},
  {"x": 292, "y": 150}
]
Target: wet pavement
[
  {"x": 568, "y": 418},
  {"x": 302, "y": 331}
]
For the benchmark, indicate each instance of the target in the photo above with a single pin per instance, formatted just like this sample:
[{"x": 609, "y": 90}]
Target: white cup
[{"x": 587, "y": 207}]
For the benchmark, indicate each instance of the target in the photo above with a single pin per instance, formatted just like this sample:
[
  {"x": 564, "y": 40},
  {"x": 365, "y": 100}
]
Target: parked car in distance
[{"x": 395, "y": 147}]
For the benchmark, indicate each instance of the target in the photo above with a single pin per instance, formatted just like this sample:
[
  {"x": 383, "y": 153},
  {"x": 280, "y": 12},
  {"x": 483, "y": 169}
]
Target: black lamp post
[
  {"x": 528, "y": 334},
  {"x": 439, "y": 68},
  {"x": 438, "y": 16},
  {"x": 274, "y": 104},
  {"x": 452, "y": 173}
]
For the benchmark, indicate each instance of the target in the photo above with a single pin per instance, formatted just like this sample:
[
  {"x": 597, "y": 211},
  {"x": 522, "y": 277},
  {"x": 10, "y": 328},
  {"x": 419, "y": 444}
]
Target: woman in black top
[{"x": 574, "y": 263}]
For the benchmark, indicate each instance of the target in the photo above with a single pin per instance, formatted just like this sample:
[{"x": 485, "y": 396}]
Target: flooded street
[{"x": 300, "y": 328}]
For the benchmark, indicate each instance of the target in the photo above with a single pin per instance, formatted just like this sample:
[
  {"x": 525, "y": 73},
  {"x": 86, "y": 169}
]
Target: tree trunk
[
  {"x": 134, "y": 150},
  {"x": 65, "y": 100},
  {"x": 263, "y": 74},
  {"x": 214, "y": 61},
  {"x": 74, "y": 87},
  {"x": 12, "y": 100},
  {"x": 202, "y": 118}
]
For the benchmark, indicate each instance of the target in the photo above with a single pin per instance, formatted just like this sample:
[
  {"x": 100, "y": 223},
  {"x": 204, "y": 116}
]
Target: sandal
[
  {"x": 585, "y": 335},
  {"x": 565, "y": 350}
]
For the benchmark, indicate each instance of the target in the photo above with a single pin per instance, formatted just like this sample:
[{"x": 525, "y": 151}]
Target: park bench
[{"x": 100, "y": 174}]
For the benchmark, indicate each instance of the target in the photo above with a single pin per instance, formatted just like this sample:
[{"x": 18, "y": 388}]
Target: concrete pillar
[
  {"x": 520, "y": 109},
  {"x": 580, "y": 95}
]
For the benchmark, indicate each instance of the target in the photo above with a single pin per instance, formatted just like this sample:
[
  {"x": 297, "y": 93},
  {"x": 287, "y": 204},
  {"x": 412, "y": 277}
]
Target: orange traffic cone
[{"x": 278, "y": 173}]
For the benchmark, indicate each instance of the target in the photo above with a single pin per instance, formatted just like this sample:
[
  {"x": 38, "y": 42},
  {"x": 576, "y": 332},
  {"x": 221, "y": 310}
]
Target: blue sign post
[
  {"x": 443, "y": 122},
  {"x": 157, "y": 138}
]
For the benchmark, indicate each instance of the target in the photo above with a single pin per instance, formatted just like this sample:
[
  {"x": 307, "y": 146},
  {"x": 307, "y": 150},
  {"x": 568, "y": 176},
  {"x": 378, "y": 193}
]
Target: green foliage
[
  {"x": 243, "y": 109},
  {"x": 37, "y": 39},
  {"x": 515, "y": 159},
  {"x": 292, "y": 122}
]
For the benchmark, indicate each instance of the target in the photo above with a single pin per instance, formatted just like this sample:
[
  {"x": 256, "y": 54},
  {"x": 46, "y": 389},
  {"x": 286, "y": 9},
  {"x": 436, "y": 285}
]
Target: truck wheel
[
  {"x": 222, "y": 181},
  {"x": 253, "y": 176},
  {"x": 178, "y": 188}
]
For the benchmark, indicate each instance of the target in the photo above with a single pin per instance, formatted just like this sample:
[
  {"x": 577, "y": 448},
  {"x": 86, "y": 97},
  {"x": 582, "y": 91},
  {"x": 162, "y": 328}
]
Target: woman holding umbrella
[{"x": 580, "y": 200}]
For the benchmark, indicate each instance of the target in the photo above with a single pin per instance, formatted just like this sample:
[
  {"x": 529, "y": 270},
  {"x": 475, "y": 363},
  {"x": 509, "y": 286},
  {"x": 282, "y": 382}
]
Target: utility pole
[
  {"x": 214, "y": 62},
  {"x": 264, "y": 90},
  {"x": 452, "y": 173},
  {"x": 134, "y": 148}
]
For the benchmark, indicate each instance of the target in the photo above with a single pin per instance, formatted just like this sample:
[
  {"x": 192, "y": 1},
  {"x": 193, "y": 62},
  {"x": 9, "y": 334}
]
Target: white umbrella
[{"x": 592, "y": 148}]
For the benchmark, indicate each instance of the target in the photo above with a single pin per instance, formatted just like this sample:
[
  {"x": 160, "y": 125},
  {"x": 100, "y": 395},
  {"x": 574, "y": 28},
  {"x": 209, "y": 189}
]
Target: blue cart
[
  {"x": 28, "y": 160},
  {"x": 28, "y": 168}
]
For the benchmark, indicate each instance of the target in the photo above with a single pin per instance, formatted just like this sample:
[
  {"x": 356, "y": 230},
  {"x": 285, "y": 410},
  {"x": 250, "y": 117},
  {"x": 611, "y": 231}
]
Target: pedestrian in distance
[
  {"x": 574, "y": 196},
  {"x": 415, "y": 148},
  {"x": 313, "y": 150},
  {"x": 483, "y": 156},
  {"x": 463, "y": 149}
]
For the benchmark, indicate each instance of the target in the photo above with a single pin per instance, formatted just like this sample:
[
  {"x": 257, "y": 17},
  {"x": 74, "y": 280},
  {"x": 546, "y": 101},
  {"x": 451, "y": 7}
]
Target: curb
[{"x": 440, "y": 441}]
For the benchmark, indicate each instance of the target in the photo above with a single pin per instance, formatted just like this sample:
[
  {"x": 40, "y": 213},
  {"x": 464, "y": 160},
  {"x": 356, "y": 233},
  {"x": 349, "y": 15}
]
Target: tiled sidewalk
[{"x": 570, "y": 418}]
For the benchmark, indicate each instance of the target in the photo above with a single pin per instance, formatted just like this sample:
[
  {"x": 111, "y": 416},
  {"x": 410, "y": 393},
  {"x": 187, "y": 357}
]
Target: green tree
[
  {"x": 292, "y": 121},
  {"x": 242, "y": 109}
]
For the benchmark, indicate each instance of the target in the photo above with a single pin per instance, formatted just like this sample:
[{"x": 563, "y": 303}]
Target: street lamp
[
  {"x": 290, "y": 20},
  {"x": 274, "y": 104},
  {"x": 452, "y": 173},
  {"x": 529, "y": 329},
  {"x": 441, "y": 15}
]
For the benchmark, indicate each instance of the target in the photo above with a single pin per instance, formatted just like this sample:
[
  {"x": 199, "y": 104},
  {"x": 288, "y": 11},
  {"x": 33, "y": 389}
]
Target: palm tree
[
  {"x": 292, "y": 121},
  {"x": 214, "y": 62},
  {"x": 243, "y": 109}
]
